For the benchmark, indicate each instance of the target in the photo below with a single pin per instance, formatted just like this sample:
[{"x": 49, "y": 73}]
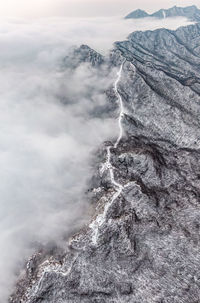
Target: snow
[{"x": 107, "y": 166}]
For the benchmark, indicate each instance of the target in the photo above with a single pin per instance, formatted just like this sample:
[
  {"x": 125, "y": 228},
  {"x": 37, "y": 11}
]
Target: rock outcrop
[{"x": 148, "y": 239}]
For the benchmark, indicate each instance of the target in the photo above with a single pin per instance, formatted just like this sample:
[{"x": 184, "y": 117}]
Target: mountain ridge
[{"x": 192, "y": 13}]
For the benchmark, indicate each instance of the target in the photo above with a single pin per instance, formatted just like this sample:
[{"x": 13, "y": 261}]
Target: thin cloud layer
[
  {"x": 83, "y": 8},
  {"x": 47, "y": 132},
  {"x": 58, "y": 34}
]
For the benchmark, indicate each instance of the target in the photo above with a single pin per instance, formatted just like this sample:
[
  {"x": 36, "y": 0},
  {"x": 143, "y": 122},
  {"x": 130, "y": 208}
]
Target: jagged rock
[
  {"x": 147, "y": 248},
  {"x": 192, "y": 13}
]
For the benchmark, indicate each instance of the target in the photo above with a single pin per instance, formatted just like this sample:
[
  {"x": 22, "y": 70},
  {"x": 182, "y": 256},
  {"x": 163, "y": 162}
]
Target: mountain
[
  {"x": 137, "y": 14},
  {"x": 142, "y": 244},
  {"x": 82, "y": 54},
  {"x": 190, "y": 12}
]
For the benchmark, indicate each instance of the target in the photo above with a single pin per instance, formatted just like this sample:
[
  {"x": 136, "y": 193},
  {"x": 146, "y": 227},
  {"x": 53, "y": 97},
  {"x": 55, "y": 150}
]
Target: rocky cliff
[{"x": 142, "y": 244}]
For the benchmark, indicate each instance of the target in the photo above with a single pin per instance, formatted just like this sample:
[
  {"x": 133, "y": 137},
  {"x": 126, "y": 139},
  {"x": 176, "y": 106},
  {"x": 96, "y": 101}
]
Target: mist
[
  {"x": 48, "y": 135},
  {"x": 83, "y": 8}
]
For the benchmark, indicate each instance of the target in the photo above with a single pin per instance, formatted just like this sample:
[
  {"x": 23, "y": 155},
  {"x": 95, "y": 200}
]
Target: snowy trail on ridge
[{"x": 100, "y": 219}]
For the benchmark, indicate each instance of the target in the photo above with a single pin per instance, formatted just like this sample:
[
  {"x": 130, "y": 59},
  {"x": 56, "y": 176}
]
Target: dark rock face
[
  {"x": 147, "y": 246},
  {"x": 190, "y": 12}
]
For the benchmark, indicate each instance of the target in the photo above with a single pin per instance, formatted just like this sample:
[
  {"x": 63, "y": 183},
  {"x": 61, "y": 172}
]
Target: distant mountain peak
[
  {"x": 137, "y": 14},
  {"x": 191, "y": 12}
]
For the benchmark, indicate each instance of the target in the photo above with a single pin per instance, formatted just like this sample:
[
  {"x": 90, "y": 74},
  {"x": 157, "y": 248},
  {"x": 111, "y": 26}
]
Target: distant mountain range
[{"x": 190, "y": 12}]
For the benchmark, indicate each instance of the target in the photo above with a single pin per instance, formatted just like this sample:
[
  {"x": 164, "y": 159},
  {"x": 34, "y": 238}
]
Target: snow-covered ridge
[{"x": 107, "y": 166}]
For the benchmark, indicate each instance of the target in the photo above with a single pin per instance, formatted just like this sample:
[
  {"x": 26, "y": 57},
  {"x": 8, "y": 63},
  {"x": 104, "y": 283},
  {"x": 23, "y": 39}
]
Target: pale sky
[{"x": 82, "y": 8}]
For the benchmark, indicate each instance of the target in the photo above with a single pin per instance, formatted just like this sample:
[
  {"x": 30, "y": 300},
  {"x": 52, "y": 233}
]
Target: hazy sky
[{"x": 85, "y": 8}]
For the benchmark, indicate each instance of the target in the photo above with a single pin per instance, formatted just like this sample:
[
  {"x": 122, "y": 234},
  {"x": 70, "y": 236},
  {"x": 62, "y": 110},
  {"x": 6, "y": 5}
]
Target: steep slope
[
  {"x": 190, "y": 12},
  {"x": 143, "y": 243}
]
